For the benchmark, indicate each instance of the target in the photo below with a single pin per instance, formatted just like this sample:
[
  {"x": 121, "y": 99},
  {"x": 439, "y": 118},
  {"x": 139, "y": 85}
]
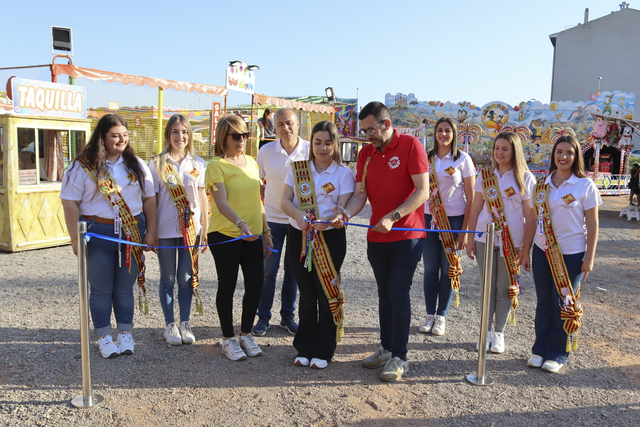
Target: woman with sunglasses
[
  {"x": 178, "y": 175},
  {"x": 563, "y": 226},
  {"x": 322, "y": 185},
  {"x": 237, "y": 212}
]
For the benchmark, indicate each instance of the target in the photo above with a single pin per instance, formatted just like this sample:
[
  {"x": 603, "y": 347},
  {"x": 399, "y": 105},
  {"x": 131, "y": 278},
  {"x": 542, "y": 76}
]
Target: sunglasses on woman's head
[{"x": 237, "y": 136}]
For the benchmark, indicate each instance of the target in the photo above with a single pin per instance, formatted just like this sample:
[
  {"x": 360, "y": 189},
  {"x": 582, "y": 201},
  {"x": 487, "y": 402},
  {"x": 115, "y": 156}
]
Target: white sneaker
[
  {"x": 428, "y": 324},
  {"x": 535, "y": 361},
  {"x": 439, "y": 325},
  {"x": 231, "y": 349},
  {"x": 489, "y": 341},
  {"x": 318, "y": 363},
  {"x": 125, "y": 343},
  {"x": 497, "y": 343},
  {"x": 172, "y": 334},
  {"x": 186, "y": 333},
  {"x": 107, "y": 347},
  {"x": 552, "y": 366},
  {"x": 249, "y": 346},
  {"x": 301, "y": 361}
]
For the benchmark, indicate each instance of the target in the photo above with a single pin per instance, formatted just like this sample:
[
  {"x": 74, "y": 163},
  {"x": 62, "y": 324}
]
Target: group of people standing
[{"x": 308, "y": 196}]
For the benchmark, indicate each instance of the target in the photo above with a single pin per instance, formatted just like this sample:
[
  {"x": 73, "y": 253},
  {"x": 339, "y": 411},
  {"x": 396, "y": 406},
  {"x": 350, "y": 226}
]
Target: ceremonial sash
[
  {"x": 495, "y": 206},
  {"x": 440, "y": 220},
  {"x": 571, "y": 308},
  {"x": 314, "y": 246},
  {"x": 173, "y": 184},
  {"x": 122, "y": 217}
]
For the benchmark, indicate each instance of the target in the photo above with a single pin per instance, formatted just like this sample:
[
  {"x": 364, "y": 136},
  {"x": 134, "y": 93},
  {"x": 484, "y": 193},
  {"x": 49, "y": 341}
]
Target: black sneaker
[
  {"x": 290, "y": 325},
  {"x": 260, "y": 329}
]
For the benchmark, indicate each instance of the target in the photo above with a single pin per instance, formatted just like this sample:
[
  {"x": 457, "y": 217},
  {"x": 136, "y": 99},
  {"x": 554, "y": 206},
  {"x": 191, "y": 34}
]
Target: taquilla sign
[{"x": 38, "y": 98}]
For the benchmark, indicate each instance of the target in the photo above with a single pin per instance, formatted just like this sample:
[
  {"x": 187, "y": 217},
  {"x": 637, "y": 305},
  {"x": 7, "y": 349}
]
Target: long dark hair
[
  {"x": 455, "y": 153},
  {"x": 265, "y": 117},
  {"x": 577, "y": 168},
  {"x": 96, "y": 154}
]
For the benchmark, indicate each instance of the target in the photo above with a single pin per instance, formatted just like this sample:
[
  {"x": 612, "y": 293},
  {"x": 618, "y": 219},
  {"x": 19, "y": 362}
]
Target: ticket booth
[{"x": 34, "y": 152}]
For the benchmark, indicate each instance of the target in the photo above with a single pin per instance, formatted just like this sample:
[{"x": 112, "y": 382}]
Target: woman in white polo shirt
[
  {"x": 320, "y": 327},
  {"x": 178, "y": 176},
  {"x": 509, "y": 172},
  {"x": 108, "y": 186},
  {"x": 565, "y": 209},
  {"x": 455, "y": 177}
]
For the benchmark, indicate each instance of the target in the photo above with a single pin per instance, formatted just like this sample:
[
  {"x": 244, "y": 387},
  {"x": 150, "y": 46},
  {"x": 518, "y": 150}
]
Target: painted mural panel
[{"x": 479, "y": 124}]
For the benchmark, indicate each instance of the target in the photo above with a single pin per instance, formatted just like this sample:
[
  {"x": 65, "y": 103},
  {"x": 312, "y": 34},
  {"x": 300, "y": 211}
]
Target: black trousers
[
  {"x": 316, "y": 336},
  {"x": 228, "y": 257}
]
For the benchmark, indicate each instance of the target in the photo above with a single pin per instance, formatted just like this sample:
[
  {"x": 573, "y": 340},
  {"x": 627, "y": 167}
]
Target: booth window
[{"x": 44, "y": 154}]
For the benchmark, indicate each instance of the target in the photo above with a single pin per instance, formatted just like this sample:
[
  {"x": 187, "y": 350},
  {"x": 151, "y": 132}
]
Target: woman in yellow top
[{"x": 232, "y": 178}]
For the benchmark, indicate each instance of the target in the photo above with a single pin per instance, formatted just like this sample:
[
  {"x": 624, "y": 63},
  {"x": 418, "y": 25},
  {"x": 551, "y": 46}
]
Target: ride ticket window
[{"x": 44, "y": 154}]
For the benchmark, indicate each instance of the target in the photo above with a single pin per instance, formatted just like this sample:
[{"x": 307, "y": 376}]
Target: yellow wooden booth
[{"x": 34, "y": 152}]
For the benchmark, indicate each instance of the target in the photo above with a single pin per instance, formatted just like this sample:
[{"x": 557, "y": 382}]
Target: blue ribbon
[
  {"x": 88, "y": 235},
  {"x": 479, "y": 233}
]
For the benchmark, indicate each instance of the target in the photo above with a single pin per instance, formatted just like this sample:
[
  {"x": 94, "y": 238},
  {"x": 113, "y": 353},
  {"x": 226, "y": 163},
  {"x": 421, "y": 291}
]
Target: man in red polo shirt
[{"x": 393, "y": 172}]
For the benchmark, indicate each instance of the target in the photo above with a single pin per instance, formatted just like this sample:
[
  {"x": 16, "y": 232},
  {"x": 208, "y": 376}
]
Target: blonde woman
[
  {"x": 178, "y": 176},
  {"x": 510, "y": 174}
]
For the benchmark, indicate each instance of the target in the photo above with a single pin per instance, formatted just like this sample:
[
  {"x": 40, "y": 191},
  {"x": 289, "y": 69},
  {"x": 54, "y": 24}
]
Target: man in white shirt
[{"x": 274, "y": 161}]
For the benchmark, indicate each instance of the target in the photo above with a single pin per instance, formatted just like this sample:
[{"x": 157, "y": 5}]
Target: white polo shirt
[
  {"x": 512, "y": 201},
  {"x": 329, "y": 185},
  {"x": 450, "y": 175},
  {"x": 273, "y": 165},
  {"x": 77, "y": 185},
  {"x": 192, "y": 171},
  {"x": 567, "y": 204}
]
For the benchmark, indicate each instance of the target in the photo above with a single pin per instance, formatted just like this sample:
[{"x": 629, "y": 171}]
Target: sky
[{"x": 438, "y": 50}]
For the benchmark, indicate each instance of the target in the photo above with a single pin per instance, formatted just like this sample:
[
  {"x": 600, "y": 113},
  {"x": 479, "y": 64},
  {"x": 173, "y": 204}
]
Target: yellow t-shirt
[{"x": 243, "y": 195}]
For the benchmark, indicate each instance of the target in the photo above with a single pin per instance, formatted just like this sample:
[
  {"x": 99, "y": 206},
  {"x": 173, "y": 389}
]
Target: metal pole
[
  {"x": 88, "y": 398},
  {"x": 160, "y": 131},
  {"x": 479, "y": 378}
]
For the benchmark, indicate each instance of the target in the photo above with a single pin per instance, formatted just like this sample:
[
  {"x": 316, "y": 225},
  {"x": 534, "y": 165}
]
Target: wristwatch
[{"x": 396, "y": 215}]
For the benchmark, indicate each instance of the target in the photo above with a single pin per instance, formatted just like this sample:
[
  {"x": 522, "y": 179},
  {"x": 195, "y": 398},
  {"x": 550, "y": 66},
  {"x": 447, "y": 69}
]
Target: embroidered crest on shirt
[
  {"x": 394, "y": 162},
  {"x": 194, "y": 173},
  {"x": 492, "y": 193},
  {"x": 450, "y": 170},
  {"x": 328, "y": 187},
  {"x": 305, "y": 189},
  {"x": 509, "y": 192},
  {"x": 568, "y": 199},
  {"x": 132, "y": 177},
  {"x": 540, "y": 197}
]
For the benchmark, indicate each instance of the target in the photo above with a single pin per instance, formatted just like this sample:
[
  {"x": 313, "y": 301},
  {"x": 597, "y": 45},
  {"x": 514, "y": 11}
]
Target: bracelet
[
  {"x": 73, "y": 240},
  {"x": 240, "y": 221},
  {"x": 265, "y": 230}
]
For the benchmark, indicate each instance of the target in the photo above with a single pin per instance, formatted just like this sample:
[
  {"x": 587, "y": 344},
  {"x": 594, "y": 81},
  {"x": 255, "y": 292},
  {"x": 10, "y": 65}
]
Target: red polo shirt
[{"x": 388, "y": 183}]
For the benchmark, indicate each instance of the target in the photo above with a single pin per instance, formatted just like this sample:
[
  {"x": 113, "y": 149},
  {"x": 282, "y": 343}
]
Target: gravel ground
[{"x": 40, "y": 367}]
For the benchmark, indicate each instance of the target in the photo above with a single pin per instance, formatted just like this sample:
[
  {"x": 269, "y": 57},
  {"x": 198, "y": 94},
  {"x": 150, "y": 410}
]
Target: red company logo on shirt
[
  {"x": 568, "y": 199},
  {"x": 132, "y": 177},
  {"x": 394, "y": 162},
  {"x": 328, "y": 187},
  {"x": 194, "y": 173},
  {"x": 450, "y": 170},
  {"x": 509, "y": 192}
]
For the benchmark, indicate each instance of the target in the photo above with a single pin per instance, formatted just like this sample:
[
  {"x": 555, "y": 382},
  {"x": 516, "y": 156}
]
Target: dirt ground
[{"x": 160, "y": 385}]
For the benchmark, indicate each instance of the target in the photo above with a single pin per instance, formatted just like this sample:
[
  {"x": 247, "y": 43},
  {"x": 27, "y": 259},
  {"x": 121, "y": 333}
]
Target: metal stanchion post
[
  {"x": 88, "y": 398},
  {"x": 479, "y": 378}
]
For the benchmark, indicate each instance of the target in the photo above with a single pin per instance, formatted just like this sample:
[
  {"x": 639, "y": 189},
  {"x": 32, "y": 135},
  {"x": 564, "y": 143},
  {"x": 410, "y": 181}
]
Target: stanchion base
[
  {"x": 473, "y": 379},
  {"x": 81, "y": 402}
]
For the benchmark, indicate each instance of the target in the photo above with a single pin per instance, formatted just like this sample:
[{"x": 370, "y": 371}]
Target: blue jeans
[
  {"x": 289, "y": 285},
  {"x": 394, "y": 264},
  {"x": 111, "y": 286},
  {"x": 437, "y": 285},
  {"x": 168, "y": 276},
  {"x": 551, "y": 338}
]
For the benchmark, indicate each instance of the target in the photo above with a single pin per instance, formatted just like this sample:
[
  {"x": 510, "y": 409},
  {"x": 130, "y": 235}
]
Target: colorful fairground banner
[
  {"x": 240, "y": 78},
  {"x": 537, "y": 123},
  {"x": 39, "y": 98}
]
